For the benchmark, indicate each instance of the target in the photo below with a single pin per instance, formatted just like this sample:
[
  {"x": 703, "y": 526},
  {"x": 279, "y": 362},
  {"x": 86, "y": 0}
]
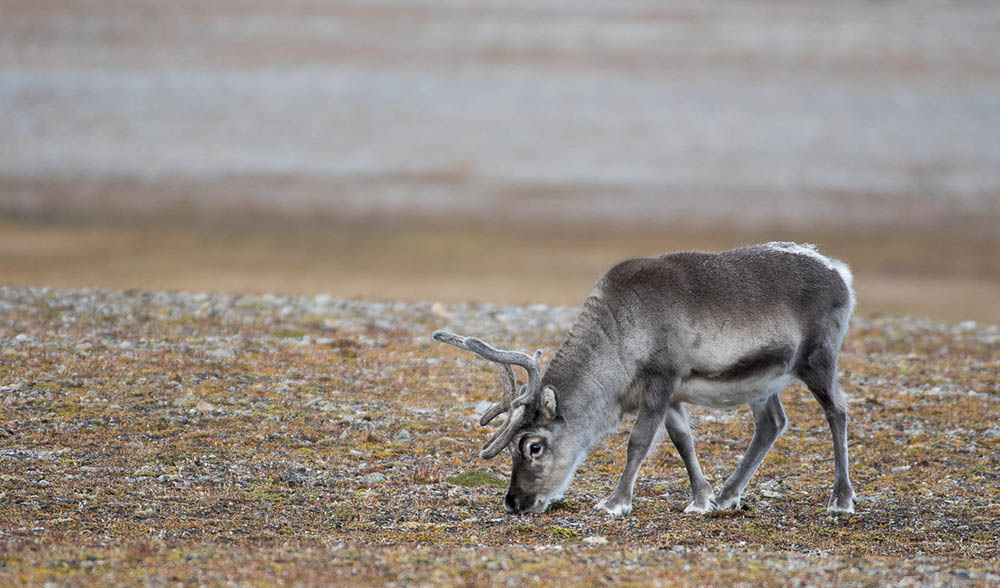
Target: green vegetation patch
[
  {"x": 289, "y": 334},
  {"x": 477, "y": 478},
  {"x": 568, "y": 506},
  {"x": 562, "y": 532}
]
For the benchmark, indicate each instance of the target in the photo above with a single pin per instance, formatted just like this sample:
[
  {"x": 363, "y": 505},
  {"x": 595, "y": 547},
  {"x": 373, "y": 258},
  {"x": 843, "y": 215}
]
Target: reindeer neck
[{"x": 589, "y": 371}]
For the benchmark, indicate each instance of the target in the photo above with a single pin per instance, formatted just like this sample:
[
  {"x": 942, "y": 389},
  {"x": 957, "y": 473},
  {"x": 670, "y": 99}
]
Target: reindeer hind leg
[
  {"x": 769, "y": 423},
  {"x": 818, "y": 371}
]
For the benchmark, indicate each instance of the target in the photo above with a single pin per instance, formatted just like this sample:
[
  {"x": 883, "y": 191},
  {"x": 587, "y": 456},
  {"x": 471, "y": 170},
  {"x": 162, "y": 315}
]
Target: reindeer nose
[{"x": 516, "y": 504}]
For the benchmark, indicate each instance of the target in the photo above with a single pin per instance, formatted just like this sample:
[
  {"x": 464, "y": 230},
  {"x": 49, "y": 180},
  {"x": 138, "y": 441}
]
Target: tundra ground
[{"x": 162, "y": 438}]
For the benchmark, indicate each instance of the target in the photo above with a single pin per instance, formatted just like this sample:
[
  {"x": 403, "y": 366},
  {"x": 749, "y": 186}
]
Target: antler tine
[
  {"x": 504, "y": 434},
  {"x": 492, "y": 412},
  {"x": 515, "y": 418},
  {"x": 450, "y": 339},
  {"x": 513, "y": 403},
  {"x": 529, "y": 363},
  {"x": 508, "y": 382},
  {"x": 487, "y": 351},
  {"x": 507, "y": 379}
]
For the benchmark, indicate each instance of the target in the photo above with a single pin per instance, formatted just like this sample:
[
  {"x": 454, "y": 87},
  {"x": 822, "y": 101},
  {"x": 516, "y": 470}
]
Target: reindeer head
[{"x": 542, "y": 465}]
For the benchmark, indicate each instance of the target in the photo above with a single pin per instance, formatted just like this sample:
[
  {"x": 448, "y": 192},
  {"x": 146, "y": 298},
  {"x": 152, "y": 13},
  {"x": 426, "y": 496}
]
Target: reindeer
[{"x": 712, "y": 329}]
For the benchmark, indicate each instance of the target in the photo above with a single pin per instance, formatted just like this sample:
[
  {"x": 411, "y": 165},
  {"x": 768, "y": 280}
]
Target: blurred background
[{"x": 497, "y": 151}]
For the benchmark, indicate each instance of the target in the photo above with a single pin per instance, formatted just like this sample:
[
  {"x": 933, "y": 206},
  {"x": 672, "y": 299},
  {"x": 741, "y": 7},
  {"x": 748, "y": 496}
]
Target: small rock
[
  {"x": 222, "y": 353},
  {"x": 595, "y": 540},
  {"x": 204, "y": 406},
  {"x": 440, "y": 310},
  {"x": 404, "y": 436},
  {"x": 323, "y": 300},
  {"x": 373, "y": 478},
  {"x": 482, "y": 406},
  {"x": 295, "y": 476}
]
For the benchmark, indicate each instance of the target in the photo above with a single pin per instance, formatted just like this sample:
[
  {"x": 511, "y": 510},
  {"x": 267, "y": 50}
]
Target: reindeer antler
[{"x": 513, "y": 405}]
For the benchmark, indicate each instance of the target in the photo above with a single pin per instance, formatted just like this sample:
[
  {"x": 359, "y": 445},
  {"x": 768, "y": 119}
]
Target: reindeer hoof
[
  {"x": 614, "y": 509},
  {"x": 842, "y": 500},
  {"x": 729, "y": 503},
  {"x": 837, "y": 506},
  {"x": 701, "y": 506}
]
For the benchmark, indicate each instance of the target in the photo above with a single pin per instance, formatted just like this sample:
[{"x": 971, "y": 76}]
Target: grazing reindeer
[{"x": 717, "y": 330}]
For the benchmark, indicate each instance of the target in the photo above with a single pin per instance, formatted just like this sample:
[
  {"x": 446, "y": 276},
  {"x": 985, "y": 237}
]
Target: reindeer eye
[{"x": 535, "y": 449}]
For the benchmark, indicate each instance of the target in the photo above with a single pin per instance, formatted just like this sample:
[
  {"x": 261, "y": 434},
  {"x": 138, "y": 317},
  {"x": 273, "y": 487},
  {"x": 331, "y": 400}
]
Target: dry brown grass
[{"x": 943, "y": 273}]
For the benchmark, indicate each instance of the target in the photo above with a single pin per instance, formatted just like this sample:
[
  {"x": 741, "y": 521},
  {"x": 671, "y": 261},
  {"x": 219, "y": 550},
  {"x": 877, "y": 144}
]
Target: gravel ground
[{"x": 160, "y": 437}]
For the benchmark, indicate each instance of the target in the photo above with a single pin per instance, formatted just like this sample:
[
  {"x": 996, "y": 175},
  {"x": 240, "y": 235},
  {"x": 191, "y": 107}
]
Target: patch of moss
[
  {"x": 289, "y": 334},
  {"x": 347, "y": 353},
  {"x": 565, "y": 505},
  {"x": 266, "y": 490},
  {"x": 476, "y": 478}
]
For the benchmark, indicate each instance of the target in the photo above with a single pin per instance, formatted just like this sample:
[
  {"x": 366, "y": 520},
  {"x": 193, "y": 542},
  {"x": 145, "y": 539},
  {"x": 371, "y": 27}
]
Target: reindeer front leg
[
  {"x": 640, "y": 441},
  {"x": 702, "y": 497}
]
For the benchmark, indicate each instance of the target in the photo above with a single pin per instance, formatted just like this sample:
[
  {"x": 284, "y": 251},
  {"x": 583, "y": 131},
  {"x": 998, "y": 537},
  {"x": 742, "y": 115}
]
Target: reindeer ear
[{"x": 547, "y": 403}]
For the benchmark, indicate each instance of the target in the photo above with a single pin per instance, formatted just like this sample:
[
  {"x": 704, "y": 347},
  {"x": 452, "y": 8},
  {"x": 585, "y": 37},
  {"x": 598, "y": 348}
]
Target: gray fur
[{"x": 714, "y": 329}]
